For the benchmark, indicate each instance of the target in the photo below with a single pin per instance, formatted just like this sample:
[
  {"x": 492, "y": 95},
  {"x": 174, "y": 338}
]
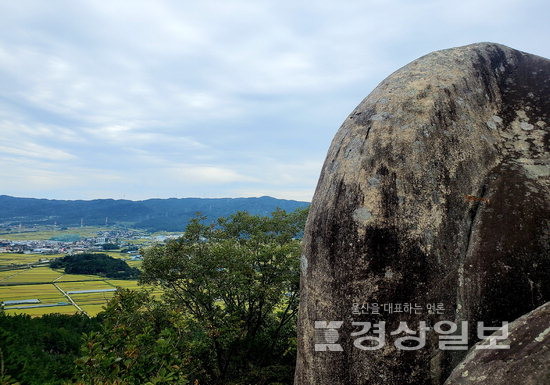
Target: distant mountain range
[{"x": 152, "y": 214}]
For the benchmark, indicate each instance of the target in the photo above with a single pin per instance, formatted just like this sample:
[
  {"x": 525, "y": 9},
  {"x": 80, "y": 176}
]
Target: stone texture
[
  {"x": 527, "y": 362},
  {"x": 434, "y": 190}
]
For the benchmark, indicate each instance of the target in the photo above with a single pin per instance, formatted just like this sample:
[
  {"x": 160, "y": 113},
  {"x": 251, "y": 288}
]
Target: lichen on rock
[
  {"x": 526, "y": 362},
  {"x": 391, "y": 221}
]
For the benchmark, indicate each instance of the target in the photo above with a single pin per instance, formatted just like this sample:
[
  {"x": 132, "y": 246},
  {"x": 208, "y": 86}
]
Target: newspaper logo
[{"x": 326, "y": 336}]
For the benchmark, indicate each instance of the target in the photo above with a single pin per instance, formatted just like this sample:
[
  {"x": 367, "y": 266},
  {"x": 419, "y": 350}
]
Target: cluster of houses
[
  {"x": 74, "y": 244},
  {"x": 120, "y": 238}
]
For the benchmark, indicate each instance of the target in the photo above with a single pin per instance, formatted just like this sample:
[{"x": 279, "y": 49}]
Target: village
[{"x": 124, "y": 241}]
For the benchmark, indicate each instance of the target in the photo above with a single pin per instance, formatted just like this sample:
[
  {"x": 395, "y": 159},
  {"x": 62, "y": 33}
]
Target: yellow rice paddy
[
  {"x": 28, "y": 284},
  {"x": 38, "y": 283}
]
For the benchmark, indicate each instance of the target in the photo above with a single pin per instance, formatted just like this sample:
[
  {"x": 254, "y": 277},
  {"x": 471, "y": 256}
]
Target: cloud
[
  {"x": 30, "y": 176},
  {"x": 209, "y": 98},
  {"x": 207, "y": 174},
  {"x": 34, "y": 150}
]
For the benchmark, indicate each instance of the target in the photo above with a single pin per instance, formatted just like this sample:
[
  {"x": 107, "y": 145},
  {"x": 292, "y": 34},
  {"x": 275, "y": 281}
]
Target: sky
[{"x": 141, "y": 99}]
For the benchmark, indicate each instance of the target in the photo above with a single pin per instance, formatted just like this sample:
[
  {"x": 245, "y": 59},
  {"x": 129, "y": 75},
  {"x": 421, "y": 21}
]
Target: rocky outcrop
[
  {"x": 527, "y": 362},
  {"x": 434, "y": 190}
]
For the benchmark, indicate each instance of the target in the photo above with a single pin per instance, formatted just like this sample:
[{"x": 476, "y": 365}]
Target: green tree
[
  {"x": 41, "y": 351},
  {"x": 227, "y": 315},
  {"x": 140, "y": 343},
  {"x": 238, "y": 282},
  {"x": 5, "y": 379},
  {"x": 95, "y": 263}
]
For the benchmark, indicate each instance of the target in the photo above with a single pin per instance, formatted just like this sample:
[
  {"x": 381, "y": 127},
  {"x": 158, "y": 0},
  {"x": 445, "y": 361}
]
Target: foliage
[
  {"x": 110, "y": 246},
  {"x": 99, "y": 264},
  {"x": 228, "y": 314},
  {"x": 139, "y": 343},
  {"x": 41, "y": 351},
  {"x": 227, "y": 317},
  {"x": 129, "y": 248},
  {"x": 5, "y": 379}
]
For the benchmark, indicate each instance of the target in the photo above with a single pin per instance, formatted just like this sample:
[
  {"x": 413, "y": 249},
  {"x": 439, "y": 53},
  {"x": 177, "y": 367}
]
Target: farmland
[
  {"x": 47, "y": 285},
  {"x": 28, "y": 276},
  {"x": 49, "y": 232},
  {"x": 19, "y": 259}
]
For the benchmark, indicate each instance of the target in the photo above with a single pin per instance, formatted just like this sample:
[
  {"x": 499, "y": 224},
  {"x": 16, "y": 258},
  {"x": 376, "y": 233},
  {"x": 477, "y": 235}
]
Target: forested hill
[{"x": 152, "y": 214}]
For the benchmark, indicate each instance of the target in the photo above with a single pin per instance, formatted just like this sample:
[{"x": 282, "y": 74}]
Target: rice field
[
  {"x": 93, "y": 309},
  {"x": 46, "y": 293},
  {"x": 23, "y": 259},
  {"x": 37, "y": 312},
  {"x": 48, "y": 233},
  {"x": 136, "y": 264},
  {"x": 123, "y": 283},
  {"x": 38, "y": 283},
  {"x": 91, "y": 302},
  {"x": 8, "y": 274},
  {"x": 77, "y": 277},
  {"x": 86, "y": 285},
  {"x": 36, "y": 274}
]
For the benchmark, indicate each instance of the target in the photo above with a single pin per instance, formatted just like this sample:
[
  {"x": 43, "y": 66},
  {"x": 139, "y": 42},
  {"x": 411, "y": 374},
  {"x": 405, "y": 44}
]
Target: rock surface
[
  {"x": 434, "y": 190},
  {"x": 527, "y": 362}
]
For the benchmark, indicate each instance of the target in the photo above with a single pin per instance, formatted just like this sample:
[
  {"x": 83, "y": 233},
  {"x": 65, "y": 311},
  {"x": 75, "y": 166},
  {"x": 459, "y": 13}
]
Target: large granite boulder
[
  {"x": 527, "y": 362},
  {"x": 434, "y": 191}
]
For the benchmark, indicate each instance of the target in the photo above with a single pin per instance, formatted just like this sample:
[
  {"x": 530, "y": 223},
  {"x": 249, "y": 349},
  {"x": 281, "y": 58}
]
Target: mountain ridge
[{"x": 153, "y": 214}]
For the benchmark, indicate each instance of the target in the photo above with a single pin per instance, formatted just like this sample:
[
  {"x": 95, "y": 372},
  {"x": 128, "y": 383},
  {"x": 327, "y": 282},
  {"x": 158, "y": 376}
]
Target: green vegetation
[
  {"x": 98, "y": 264},
  {"x": 48, "y": 232},
  {"x": 140, "y": 342},
  {"x": 110, "y": 246},
  {"x": 42, "y": 351},
  {"x": 23, "y": 259},
  {"x": 226, "y": 315},
  {"x": 129, "y": 248},
  {"x": 44, "y": 283},
  {"x": 152, "y": 214}
]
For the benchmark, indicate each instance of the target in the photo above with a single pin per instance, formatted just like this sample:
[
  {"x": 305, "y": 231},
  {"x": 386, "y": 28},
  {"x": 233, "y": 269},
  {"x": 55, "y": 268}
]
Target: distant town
[{"x": 65, "y": 241}]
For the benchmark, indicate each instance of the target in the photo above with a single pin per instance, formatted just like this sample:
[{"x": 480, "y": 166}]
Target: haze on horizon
[{"x": 159, "y": 99}]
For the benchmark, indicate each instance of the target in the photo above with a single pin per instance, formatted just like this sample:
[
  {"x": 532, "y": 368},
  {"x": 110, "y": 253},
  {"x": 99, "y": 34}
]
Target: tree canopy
[
  {"x": 227, "y": 315},
  {"x": 93, "y": 263}
]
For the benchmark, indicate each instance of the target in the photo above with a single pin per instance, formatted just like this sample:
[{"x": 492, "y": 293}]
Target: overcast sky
[{"x": 140, "y": 99}]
